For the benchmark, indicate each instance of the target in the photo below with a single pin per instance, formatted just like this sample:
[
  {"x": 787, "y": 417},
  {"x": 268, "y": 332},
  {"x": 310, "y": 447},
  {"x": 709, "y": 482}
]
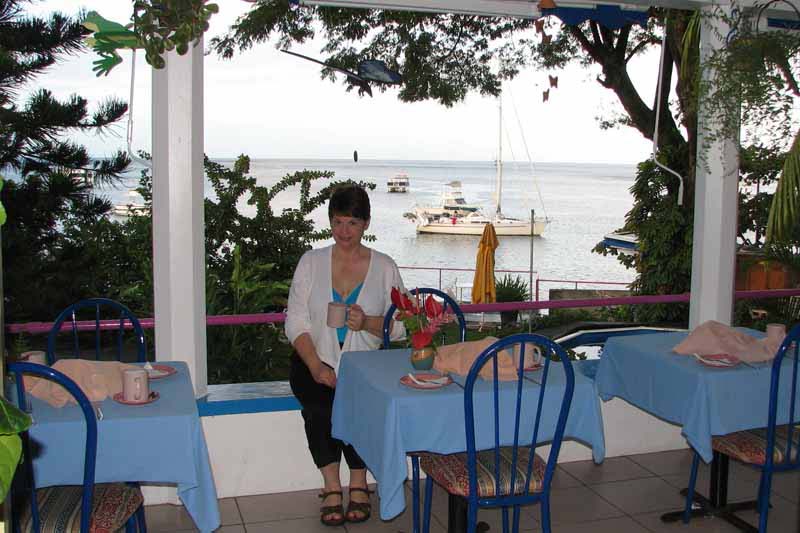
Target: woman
[{"x": 362, "y": 278}]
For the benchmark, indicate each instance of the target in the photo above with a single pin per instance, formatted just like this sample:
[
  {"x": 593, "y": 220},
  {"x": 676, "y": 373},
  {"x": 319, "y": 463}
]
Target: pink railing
[{"x": 267, "y": 318}]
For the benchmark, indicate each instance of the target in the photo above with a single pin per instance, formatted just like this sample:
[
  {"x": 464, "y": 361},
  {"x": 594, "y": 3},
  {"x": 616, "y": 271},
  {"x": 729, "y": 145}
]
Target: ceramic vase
[{"x": 422, "y": 358}]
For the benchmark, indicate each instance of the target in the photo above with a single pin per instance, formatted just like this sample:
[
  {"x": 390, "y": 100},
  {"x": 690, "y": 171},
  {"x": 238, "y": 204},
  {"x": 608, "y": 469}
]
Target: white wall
[{"x": 264, "y": 453}]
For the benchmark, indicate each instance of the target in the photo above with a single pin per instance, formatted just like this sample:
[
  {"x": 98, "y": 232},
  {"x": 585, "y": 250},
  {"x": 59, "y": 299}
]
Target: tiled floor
[{"x": 623, "y": 495}]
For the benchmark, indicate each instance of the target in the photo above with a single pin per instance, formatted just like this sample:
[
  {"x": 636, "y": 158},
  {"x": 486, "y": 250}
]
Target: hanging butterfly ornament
[{"x": 369, "y": 70}]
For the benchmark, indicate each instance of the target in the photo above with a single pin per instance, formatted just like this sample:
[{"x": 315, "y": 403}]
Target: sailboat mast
[{"x": 499, "y": 187}]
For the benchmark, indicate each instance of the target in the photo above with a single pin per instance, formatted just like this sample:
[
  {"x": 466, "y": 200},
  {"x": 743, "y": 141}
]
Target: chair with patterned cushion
[
  {"x": 773, "y": 448},
  {"x": 90, "y": 507},
  {"x": 100, "y": 313},
  {"x": 501, "y": 466},
  {"x": 449, "y": 304}
]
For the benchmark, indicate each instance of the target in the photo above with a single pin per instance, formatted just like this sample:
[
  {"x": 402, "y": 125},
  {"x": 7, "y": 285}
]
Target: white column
[
  {"x": 178, "y": 221},
  {"x": 715, "y": 203}
]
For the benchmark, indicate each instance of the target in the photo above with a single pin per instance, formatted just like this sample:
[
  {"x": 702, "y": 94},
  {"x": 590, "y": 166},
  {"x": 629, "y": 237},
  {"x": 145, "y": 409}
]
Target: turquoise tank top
[{"x": 341, "y": 333}]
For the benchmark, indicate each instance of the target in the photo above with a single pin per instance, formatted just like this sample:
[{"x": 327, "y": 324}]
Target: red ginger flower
[{"x": 421, "y": 319}]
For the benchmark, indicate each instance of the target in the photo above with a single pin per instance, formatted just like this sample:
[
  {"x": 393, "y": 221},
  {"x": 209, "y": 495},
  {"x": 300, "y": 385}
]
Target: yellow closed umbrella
[{"x": 483, "y": 291}]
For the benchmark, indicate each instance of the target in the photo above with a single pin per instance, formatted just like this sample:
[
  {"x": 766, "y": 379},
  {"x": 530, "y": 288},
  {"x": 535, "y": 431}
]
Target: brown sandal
[
  {"x": 328, "y": 510},
  {"x": 365, "y": 508}
]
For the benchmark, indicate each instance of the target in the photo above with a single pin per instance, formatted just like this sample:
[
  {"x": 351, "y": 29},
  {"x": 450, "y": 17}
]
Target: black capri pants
[{"x": 317, "y": 402}]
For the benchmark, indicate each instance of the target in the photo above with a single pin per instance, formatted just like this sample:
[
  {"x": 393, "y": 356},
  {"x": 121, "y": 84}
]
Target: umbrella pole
[{"x": 530, "y": 274}]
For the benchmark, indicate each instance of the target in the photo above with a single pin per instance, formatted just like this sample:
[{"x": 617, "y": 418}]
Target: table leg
[
  {"x": 717, "y": 502},
  {"x": 457, "y": 516}
]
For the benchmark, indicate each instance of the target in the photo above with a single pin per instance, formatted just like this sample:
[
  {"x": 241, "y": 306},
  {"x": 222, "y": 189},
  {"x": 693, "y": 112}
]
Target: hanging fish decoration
[{"x": 370, "y": 70}]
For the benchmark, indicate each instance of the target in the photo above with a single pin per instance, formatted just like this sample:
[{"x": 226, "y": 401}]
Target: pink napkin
[
  {"x": 713, "y": 337},
  {"x": 458, "y": 358},
  {"x": 97, "y": 379}
]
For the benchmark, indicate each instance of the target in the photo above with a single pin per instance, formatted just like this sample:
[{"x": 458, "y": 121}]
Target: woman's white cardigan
[{"x": 311, "y": 291}]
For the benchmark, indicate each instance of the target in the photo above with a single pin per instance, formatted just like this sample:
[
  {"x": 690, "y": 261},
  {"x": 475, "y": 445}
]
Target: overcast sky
[{"x": 272, "y": 105}]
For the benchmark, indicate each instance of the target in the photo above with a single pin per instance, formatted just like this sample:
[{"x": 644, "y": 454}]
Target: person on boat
[{"x": 361, "y": 278}]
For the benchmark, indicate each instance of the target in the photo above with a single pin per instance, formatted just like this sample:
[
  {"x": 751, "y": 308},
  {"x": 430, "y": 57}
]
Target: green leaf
[
  {"x": 10, "y": 452},
  {"x": 785, "y": 208},
  {"x": 12, "y": 419}
]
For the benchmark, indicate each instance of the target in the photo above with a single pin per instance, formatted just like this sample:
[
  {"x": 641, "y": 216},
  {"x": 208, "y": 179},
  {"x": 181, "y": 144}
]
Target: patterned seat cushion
[
  {"x": 751, "y": 446},
  {"x": 60, "y": 508},
  {"x": 450, "y": 471}
]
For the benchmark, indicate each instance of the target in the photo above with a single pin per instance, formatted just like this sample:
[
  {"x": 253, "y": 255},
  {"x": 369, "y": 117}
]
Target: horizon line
[{"x": 350, "y": 160}]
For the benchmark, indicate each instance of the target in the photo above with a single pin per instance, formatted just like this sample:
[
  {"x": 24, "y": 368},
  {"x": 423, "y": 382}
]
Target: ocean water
[{"x": 582, "y": 201}]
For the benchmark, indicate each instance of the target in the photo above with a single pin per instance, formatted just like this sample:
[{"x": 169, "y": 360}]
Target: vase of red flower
[
  {"x": 422, "y": 319},
  {"x": 422, "y": 359}
]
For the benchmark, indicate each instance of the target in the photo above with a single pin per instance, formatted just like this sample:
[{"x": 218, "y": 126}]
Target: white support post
[
  {"x": 178, "y": 221},
  {"x": 715, "y": 203}
]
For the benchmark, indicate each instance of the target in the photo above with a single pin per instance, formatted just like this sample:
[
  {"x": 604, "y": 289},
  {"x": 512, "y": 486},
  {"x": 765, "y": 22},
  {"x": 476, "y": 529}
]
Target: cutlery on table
[
  {"x": 444, "y": 380},
  {"x": 716, "y": 362}
]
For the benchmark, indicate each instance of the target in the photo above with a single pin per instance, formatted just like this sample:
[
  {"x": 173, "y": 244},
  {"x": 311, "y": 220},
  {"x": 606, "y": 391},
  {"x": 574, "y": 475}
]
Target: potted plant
[{"x": 510, "y": 289}]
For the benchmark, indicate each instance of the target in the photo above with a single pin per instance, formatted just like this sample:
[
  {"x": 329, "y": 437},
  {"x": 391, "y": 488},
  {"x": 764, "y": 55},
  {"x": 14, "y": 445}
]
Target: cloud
[{"x": 272, "y": 105}]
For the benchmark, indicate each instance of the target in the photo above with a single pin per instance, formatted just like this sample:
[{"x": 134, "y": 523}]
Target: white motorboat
[
  {"x": 452, "y": 204},
  {"x": 399, "y": 183},
  {"x": 133, "y": 207},
  {"x": 127, "y": 210}
]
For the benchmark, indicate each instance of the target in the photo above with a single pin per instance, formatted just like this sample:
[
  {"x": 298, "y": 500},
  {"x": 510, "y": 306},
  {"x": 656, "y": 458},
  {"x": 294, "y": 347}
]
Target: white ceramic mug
[
  {"x": 34, "y": 356},
  {"x": 135, "y": 385},
  {"x": 337, "y": 314}
]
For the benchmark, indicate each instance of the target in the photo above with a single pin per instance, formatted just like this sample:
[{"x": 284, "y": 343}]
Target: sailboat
[{"x": 456, "y": 222}]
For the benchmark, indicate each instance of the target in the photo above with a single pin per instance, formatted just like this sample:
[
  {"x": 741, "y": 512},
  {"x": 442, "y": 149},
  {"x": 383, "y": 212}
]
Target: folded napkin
[
  {"x": 458, "y": 358},
  {"x": 713, "y": 337},
  {"x": 97, "y": 379}
]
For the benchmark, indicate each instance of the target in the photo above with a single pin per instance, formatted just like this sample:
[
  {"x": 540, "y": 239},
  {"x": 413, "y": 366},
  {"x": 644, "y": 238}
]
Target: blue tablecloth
[
  {"x": 161, "y": 442},
  {"x": 705, "y": 401},
  {"x": 385, "y": 420}
]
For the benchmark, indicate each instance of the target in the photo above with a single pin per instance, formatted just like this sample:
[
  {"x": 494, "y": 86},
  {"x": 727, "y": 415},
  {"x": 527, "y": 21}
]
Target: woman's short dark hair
[{"x": 349, "y": 201}]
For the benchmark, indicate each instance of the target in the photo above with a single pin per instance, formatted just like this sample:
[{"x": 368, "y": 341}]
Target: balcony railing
[{"x": 33, "y": 328}]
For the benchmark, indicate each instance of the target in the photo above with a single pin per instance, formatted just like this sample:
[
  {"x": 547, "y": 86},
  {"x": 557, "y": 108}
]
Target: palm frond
[{"x": 785, "y": 208}]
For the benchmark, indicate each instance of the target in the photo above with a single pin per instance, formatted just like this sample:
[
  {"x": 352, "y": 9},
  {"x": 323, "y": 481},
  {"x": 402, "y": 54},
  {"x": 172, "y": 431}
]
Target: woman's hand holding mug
[{"x": 356, "y": 318}]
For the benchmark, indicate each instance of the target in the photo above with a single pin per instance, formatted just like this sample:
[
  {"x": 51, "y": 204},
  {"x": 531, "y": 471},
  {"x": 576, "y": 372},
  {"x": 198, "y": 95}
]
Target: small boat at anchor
[{"x": 399, "y": 183}]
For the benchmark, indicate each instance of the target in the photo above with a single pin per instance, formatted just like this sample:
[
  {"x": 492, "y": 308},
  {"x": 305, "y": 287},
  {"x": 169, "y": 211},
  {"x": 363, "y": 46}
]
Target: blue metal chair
[
  {"x": 774, "y": 448},
  {"x": 52, "y": 509},
  {"x": 508, "y": 472},
  {"x": 103, "y": 307},
  {"x": 448, "y": 302}
]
